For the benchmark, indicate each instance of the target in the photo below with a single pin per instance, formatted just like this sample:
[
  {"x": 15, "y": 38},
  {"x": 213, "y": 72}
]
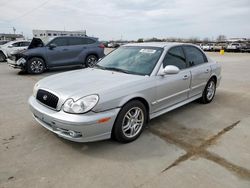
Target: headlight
[
  {"x": 21, "y": 61},
  {"x": 35, "y": 89},
  {"x": 80, "y": 106}
]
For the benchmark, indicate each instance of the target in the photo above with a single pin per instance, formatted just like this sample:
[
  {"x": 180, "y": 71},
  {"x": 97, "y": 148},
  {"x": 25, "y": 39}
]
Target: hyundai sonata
[{"x": 127, "y": 88}]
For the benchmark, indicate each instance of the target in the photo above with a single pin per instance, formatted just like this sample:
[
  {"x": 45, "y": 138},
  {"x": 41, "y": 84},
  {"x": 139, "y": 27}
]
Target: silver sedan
[{"x": 127, "y": 88}]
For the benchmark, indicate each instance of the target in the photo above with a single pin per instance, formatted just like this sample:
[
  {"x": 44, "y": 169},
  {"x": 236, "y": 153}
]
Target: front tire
[
  {"x": 35, "y": 65},
  {"x": 209, "y": 92},
  {"x": 91, "y": 61},
  {"x": 130, "y": 122}
]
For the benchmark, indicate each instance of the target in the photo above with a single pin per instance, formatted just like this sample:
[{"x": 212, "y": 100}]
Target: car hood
[
  {"x": 36, "y": 42},
  {"x": 80, "y": 83}
]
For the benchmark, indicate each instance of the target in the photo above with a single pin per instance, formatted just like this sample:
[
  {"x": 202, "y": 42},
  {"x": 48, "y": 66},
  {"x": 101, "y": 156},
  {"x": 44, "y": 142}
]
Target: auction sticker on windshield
[{"x": 148, "y": 51}]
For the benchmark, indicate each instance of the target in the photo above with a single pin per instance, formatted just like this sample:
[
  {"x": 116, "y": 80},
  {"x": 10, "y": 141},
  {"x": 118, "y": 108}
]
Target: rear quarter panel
[
  {"x": 91, "y": 49},
  {"x": 216, "y": 71}
]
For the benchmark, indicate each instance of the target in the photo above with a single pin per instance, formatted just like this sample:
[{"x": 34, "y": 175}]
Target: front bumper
[
  {"x": 19, "y": 64},
  {"x": 86, "y": 125}
]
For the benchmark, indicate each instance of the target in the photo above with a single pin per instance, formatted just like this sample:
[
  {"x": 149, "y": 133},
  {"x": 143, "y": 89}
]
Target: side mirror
[
  {"x": 52, "y": 46},
  {"x": 169, "y": 69},
  {"x": 10, "y": 46}
]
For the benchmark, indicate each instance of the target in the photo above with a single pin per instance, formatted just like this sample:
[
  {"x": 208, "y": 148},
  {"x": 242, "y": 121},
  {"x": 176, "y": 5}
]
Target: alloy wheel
[
  {"x": 91, "y": 61},
  {"x": 36, "y": 66},
  {"x": 133, "y": 122},
  {"x": 210, "y": 90}
]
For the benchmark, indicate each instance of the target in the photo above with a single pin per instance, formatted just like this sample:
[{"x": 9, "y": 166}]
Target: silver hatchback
[{"x": 127, "y": 88}]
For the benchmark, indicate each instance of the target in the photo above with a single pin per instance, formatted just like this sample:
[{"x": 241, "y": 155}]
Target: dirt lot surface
[{"x": 194, "y": 146}]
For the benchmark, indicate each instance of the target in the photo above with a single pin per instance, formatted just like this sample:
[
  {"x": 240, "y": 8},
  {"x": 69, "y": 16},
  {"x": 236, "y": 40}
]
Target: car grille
[{"x": 47, "y": 98}]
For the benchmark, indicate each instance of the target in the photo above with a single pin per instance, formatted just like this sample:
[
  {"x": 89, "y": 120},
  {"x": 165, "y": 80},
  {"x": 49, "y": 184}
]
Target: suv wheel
[
  {"x": 35, "y": 65},
  {"x": 2, "y": 57},
  {"x": 130, "y": 122},
  {"x": 91, "y": 61},
  {"x": 209, "y": 92}
]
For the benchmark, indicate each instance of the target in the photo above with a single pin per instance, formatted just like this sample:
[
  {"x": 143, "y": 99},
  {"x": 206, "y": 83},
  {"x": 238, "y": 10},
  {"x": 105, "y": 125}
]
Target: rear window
[
  {"x": 75, "y": 41},
  {"x": 88, "y": 41},
  {"x": 80, "y": 41}
]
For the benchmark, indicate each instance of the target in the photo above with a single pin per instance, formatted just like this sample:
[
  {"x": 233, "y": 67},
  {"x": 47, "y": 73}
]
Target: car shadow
[{"x": 147, "y": 146}]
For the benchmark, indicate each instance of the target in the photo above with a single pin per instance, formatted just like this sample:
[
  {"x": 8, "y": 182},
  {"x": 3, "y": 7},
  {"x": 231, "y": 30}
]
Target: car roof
[
  {"x": 158, "y": 44},
  {"x": 76, "y": 37},
  {"x": 14, "y": 41}
]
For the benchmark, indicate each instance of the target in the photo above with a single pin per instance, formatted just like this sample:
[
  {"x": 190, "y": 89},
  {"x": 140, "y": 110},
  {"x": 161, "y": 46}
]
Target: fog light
[{"x": 73, "y": 134}]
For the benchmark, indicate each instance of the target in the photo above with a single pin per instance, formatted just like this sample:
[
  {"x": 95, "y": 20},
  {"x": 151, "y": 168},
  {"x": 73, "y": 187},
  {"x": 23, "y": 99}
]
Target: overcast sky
[{"x": 129, "y": 19}]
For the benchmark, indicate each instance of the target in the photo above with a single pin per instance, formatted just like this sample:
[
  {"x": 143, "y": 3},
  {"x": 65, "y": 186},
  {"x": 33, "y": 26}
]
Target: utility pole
[{"x": 14, "y": 30}]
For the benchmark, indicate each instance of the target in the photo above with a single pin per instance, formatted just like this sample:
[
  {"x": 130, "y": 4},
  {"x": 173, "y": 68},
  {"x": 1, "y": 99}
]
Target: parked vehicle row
[
  {"x": 232, "y": 47},
  {"x": 59, "y": 51},
  {"x": 128, "y": 87}
]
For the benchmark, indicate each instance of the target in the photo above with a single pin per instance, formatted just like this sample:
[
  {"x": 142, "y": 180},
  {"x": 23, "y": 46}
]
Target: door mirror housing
[
  {"x": 52, "y": 46},
  {"x": 169, "y": 69}
]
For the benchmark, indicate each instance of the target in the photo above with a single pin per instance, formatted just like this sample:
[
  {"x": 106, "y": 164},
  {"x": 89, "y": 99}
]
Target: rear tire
[
  {"x": 91, "y": 61},
  {"x": 35, "y": 65},
  {"x": 130, "y": 122},
  {"x": 2, "y": 57},
  {"x": 209, "y": 92}
]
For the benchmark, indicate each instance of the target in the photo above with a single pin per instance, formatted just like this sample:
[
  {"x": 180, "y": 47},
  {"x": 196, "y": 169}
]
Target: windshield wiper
[
  {"x": 118, "y": 70},
  {"x": 114, "y": 69}
]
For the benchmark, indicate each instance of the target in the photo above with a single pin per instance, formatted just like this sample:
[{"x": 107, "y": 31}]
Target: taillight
[{"x": 101, "y": 46}]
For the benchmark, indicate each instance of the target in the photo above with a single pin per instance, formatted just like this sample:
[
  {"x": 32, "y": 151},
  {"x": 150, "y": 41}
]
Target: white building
[{"x": 45, "y": 34}]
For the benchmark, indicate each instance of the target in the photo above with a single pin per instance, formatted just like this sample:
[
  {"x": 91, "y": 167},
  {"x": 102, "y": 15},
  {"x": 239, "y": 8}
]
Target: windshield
[{"x": 132, "y": 60}]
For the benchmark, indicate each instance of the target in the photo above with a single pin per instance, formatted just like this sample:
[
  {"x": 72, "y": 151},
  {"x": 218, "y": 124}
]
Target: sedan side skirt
[{"x": 165, "y": 110}]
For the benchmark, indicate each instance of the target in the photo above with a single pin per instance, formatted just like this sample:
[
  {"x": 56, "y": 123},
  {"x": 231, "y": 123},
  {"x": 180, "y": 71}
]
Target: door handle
[
  {"x": 185, "y": 77},
  {"x": 65, "y": 49}
]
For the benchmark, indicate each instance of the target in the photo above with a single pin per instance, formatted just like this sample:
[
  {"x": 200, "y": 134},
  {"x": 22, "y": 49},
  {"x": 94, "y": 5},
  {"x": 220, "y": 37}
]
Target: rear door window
[
  {"x": 194, "y": 55},
  {"x": 75, "y": 41},
  {"x": 60, "y": 42},
  {"x": 88, "y": 41},
  {"x": 175, "y": 56}
]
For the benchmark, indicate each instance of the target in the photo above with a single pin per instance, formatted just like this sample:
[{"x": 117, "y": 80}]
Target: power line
[{"x": 28, "y": 12}]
